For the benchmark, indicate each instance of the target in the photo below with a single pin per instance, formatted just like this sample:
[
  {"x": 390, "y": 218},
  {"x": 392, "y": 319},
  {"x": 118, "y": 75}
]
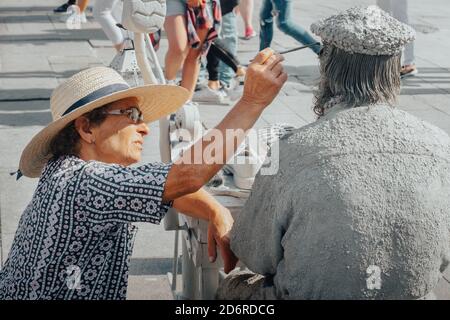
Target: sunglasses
[{"x": 133, "y": 113}]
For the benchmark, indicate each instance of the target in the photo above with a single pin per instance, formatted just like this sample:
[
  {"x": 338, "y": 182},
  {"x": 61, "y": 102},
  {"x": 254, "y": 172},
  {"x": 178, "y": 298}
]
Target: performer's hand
[
  {"x": 219, "y": 228},
  {"x": 264, "y": 78}
]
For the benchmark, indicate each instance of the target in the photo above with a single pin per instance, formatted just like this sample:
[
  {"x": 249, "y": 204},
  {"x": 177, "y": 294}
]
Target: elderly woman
[{"x": 75, "y": 238}]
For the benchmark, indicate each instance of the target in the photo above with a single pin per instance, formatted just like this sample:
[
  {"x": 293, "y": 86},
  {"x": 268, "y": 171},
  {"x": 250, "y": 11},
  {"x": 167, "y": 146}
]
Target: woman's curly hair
[{"x": 66, "y": 142}]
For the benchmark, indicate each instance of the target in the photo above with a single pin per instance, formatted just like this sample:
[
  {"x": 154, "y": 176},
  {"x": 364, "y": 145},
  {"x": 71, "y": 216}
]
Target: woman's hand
[
  {"x": 202, "y": 205},
  {"x": 264, "y": 79},
  {"x": 220, "y": 224}
]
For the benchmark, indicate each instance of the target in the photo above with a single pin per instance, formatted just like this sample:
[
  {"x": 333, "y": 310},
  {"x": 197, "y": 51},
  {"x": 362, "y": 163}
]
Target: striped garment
[
  {"x": 203, "y": 18},
  {"x": 75, "y": 238}
]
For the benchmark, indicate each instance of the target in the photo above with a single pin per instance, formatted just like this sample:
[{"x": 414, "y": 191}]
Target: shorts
[{"x": 175, "y": 7}]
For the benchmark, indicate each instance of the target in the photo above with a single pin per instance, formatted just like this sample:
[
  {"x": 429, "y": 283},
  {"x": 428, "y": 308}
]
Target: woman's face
[{"x": 118, "y": 139}]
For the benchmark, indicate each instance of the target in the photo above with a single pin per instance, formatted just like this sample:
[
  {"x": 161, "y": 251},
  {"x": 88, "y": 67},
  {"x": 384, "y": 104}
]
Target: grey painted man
[{"x": 360, "y": 206}]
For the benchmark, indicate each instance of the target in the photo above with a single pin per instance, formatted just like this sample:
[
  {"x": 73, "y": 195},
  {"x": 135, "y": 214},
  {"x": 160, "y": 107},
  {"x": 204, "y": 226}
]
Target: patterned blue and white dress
[{"x": 75, "y": 238}]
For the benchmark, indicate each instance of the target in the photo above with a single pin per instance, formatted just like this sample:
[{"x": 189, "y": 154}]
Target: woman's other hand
[
  {"x": 220, "y": 224},
  {"x": 204, "y": 206}
]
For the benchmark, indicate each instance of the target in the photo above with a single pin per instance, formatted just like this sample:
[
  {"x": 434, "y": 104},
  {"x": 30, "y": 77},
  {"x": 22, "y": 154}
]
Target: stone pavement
[{"x": 37, "y": 52}]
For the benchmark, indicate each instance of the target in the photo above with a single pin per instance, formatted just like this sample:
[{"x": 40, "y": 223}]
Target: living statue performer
[{"x": 360, "y": 206}]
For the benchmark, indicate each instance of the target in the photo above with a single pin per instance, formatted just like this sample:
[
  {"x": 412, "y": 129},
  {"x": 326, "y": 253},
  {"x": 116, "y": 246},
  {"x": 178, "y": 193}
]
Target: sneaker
[
  {"x": 408, "y": 72},
  {"x": 74, "y": 17},
  {"x": 249, "y": 33},
  {"x": 212, "y": 96},
  {"x": 234, "y": 90},
  {"x": 83, "y": 17},
  {"x": 61, "y": 9}
]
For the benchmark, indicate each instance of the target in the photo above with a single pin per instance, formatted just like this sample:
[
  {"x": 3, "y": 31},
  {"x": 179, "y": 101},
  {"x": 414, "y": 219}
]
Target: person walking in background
[
  {"x": 246, "y": 11},
  {"x": 175, "y": 27},
  {"x": 282, "y": 9},
  {"x": 103, "y": 15},
  {"x": 399, "y": 10},
  {"x": 190, "y": 26},
  {"x": 223, "y": 66},
  {"x": 214, "y": 90},
  {"x": 229, "y": 38}
]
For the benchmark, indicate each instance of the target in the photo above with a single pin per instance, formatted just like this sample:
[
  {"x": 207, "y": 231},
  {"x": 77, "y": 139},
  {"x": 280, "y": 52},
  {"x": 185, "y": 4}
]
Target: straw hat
[{"x": 90, "y": 89}]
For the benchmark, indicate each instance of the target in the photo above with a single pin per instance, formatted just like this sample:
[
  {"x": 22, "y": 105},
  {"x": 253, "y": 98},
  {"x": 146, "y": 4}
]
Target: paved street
[{"x": 37, "y": 52}]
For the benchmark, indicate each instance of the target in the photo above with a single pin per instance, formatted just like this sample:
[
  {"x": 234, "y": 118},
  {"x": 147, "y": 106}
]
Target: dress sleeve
[{"x": 114, "y": 193}]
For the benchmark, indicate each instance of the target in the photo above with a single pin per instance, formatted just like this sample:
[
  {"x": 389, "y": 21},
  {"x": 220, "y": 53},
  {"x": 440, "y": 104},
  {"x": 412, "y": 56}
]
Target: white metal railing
[{"x": 200, "y": 278}]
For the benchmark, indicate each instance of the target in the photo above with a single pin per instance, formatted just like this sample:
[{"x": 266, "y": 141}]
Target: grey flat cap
[{"x": 366, "y": 30}]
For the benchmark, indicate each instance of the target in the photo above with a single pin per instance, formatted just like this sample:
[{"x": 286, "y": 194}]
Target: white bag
[{"x": 143, "y": 16}]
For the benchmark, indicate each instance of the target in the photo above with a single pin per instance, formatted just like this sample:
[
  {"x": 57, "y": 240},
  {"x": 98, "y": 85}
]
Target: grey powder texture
[
  {"x": 358, "y": 210},
  {"x": 365, "y": 30}
]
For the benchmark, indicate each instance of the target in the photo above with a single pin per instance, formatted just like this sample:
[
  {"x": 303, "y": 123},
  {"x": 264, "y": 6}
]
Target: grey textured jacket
[{"x": 360, "y": 209}]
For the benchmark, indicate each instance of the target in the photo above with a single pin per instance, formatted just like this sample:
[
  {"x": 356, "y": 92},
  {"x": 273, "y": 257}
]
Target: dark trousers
[{"x": 218, "y": 52}]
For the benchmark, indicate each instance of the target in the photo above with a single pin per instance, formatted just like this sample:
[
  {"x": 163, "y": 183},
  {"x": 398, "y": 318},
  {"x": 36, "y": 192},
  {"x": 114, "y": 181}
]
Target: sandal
[{"x": 408, "y": 71}]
